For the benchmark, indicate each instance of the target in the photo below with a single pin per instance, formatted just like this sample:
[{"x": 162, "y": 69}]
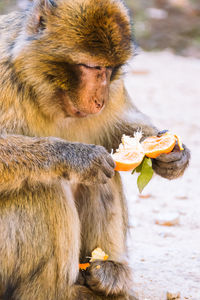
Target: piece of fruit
[
  {"x": 167, "y": 219},
  {"x": 155, "y": 145},
  {"x": 127, "y": 160},
  {"x": 98, "y": 254},
  {"x": 84, "y": 266},
  {"x": 130, "y": 153}
]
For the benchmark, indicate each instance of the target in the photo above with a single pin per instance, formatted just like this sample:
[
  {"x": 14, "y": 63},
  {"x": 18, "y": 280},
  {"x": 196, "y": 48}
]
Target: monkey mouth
[{"x": 72, "y": 110}]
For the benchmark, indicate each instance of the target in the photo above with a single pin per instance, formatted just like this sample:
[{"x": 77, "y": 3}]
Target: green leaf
[
  {"x": 145, "y": 175},
  {"x": 139, "y": 168}
]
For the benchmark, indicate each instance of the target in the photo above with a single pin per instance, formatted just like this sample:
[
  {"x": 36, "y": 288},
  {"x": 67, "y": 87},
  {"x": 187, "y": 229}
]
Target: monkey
[{"x": 63, "y": 107}]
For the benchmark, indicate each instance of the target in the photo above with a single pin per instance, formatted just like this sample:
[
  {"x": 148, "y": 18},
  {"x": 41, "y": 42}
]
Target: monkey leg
[
  {"x": 103, "y": 216},
  {"x": 39, "y": 244},
  {"x": 84, "y": 293}
]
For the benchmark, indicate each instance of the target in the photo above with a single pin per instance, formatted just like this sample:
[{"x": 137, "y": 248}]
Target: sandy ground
[{"x": 167, "y": 88}]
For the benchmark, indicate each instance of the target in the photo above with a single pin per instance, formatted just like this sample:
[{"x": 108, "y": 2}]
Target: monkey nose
[{"x": 99, "y": 104}]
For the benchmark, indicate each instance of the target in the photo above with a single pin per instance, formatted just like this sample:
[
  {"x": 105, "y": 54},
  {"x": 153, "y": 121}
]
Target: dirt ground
[{"x": 167, "y": 88}]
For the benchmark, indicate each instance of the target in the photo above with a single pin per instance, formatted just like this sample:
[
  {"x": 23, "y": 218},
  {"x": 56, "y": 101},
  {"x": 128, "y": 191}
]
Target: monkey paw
[
  {"x": 172, "y": 165},
  {"x": 109, "y": 278}
]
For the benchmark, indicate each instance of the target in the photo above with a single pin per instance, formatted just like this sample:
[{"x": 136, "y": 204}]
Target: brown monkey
[{"x": 62, "y": 104}]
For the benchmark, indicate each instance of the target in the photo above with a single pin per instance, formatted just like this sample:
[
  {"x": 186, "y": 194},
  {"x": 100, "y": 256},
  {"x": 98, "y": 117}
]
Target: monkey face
[
  {"x": 91, "y": 92},
  {"x": 74, "y": 50}
]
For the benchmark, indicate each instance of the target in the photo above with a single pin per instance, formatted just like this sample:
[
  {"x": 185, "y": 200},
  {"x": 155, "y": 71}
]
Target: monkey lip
[{"x": 74, "y": 112}]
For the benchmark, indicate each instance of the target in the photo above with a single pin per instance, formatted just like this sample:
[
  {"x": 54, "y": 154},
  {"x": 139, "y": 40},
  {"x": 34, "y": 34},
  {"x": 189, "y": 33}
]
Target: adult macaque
[{"x": 62, "y": 104}]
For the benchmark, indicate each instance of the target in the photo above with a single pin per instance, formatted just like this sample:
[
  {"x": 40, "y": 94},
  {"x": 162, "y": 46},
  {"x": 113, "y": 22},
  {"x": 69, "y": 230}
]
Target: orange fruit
[
  {"x": 155, "y": 145},
  {"x": 127, "y": 160},
  {"x": 84, "y": 266},
  {"x": 131, "y": 152},
  {"x": 97, "y": 254}
]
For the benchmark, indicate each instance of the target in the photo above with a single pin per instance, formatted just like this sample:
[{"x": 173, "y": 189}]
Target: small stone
[
  {"x": 145, "y": 196},
  {"x": 166, "y": 234},
  {"x": 182, "y": 197},
  {"x": 173, "y": 296},
  {"x": 169, "y": 219}
]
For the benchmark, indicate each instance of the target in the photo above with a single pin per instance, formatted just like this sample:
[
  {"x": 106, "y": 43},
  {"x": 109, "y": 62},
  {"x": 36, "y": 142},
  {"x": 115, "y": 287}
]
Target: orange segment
[
  {"x": 84, "y": 266},
  {"x": 98, "y": 254},
  {"x": 154, "y": 145},
  {"x": 127, "y": 160}
]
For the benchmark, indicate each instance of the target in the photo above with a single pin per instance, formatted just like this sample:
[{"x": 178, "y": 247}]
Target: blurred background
[
  {"x": 158, "y": 24},
  {"x": 164, "y": 82}
]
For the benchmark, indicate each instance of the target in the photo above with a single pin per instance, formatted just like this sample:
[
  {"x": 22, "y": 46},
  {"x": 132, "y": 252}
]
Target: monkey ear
[
  {"x": 40, "y": 12},
  {"x": 47, "y": 5}
]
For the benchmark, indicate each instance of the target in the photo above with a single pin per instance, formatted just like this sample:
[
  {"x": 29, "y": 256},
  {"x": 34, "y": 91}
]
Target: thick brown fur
[{"x": 58, "y": 197}]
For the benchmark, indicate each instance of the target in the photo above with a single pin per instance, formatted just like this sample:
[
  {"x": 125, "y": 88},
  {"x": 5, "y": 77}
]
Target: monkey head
[{"x": 71, "y": 51}]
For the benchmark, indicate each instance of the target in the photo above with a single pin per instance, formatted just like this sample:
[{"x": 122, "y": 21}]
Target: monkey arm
[
  {"x": 23, "y": 158},
  {"x": 128, "y": 121},
  {"x": 32, "y": 160},
  {"x": 170, "y": 165}
]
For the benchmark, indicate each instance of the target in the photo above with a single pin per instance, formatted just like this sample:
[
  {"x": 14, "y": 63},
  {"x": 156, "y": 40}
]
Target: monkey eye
[
  {"x": 41, "y": 23},
  {"x": 115, "y": 71},
  {"x": 90, "y": 66}
]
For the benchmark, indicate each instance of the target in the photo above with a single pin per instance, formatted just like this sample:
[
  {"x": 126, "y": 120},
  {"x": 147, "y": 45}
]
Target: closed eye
[
  {"x": 90, "y": 66},
  {"x": 115, "y": 72}
]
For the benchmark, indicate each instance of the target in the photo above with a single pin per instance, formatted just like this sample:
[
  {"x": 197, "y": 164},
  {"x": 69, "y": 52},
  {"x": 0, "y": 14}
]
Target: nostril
[{"x": 99, "y": 104}]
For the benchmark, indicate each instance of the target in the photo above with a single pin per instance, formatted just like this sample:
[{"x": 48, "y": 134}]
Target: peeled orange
[
  {"x": 131, "y": 152},
  {"x": 98, "y": 254},
  {"x": 127, "y": 160},
  {"x": 156, "y": 145}
]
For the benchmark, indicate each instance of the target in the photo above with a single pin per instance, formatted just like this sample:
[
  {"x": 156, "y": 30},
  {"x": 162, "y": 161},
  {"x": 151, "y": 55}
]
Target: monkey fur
[{"x": 63, "y": 107}]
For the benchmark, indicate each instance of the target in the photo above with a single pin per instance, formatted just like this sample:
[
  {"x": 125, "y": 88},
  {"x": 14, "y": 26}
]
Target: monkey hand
[
  {"x": 172, "y": 165},
  {"x": 88, "y": 164},
  {"x": 109, "y": 278}
]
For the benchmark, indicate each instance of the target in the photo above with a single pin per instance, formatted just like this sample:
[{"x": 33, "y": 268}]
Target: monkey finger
[
  {"x": 107, "y": 169},
  {"x": 170, "y": 157},
  {"x": 178, "y": 164},
  {"x": 111, "y": 161},
  {"x": 167, "y": 173},
  {"x": 179, "y": 159},
  {"x": 175, "y": 155}
]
